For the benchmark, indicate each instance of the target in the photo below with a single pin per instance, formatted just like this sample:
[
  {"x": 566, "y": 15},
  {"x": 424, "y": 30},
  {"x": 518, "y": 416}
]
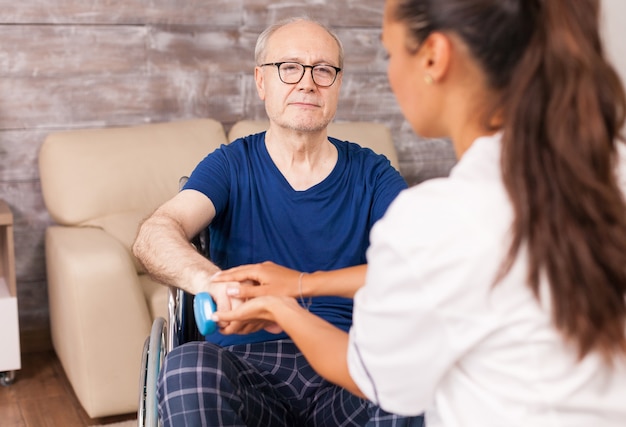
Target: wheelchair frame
[{"x": 165, "y": 336}]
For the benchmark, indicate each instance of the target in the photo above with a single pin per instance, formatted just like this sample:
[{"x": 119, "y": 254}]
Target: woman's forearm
[
  {"x": 343, "y": 282},
  {"x": 278, "y": 280}
]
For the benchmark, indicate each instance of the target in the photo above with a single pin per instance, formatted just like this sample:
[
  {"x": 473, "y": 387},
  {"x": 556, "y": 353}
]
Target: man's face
[{"x": 304, "y": 106}]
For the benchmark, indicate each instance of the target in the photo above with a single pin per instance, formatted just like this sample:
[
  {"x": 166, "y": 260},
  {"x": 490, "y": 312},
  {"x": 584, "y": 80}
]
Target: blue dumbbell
[{"x": 203, "y": 308}]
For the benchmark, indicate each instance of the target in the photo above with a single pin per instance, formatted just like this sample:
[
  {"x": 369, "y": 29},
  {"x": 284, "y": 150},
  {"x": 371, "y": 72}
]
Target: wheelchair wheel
[
  {"x": 141, "y": 411},
  {"x": 152, "y": 360}
]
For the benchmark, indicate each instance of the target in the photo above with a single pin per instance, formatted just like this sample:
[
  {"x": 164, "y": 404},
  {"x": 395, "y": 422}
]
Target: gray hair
[{"x": 261, "y": 43}]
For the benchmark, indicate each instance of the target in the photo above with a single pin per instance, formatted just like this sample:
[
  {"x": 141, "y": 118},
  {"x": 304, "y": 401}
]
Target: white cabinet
[{"x": 9, "y": 327}]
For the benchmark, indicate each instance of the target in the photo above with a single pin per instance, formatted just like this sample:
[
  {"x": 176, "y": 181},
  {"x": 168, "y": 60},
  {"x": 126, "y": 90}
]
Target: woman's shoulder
[{"x": 449, "y": 210}]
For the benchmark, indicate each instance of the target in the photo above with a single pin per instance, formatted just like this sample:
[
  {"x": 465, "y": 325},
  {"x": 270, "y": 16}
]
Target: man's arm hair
[{"x": 163, "y": 245}]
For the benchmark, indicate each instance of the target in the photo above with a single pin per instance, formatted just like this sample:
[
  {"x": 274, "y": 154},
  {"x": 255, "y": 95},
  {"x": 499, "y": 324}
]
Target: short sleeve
[{"x": 211, "y": 177}]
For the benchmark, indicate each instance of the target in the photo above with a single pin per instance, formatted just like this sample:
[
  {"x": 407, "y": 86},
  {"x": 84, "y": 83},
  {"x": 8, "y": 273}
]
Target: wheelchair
[{"x": 180, "y": 328}]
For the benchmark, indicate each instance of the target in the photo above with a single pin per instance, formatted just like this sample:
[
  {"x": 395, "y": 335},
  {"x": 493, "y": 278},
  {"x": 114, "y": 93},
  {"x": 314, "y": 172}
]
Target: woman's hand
[
  {"x": 269, "y": 278},
  {"x": 255, "y": 314}
]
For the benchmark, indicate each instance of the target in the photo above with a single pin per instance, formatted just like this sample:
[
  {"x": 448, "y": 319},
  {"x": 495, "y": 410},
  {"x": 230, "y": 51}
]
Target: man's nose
[{"x": 307, "y": 82}]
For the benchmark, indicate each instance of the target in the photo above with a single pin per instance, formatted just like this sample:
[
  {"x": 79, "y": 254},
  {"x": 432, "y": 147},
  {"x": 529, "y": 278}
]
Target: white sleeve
[{"x": 400, "y": 346}]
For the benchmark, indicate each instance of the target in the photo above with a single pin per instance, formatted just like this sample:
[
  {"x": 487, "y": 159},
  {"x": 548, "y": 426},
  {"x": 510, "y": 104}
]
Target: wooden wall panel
[
  {"x": 64, "y": 50},
  {"x": 18, "y": 154},
  {"x": 201, "y": 49},
  {"x": 346, "y": 13},
  {"x": 67, "y": 64},
  {"x": 101, "y": 100},
  {"x": 216, "y": 12}
]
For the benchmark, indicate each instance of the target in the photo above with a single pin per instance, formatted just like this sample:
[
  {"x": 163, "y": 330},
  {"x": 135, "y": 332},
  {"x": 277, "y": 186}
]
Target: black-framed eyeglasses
[{"x": 292, "y": 72}]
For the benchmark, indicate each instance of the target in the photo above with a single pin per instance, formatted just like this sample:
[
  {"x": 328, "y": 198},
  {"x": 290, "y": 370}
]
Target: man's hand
[
  {"x": 223, "y": 301},
  {"x": 222, "y": 294}
]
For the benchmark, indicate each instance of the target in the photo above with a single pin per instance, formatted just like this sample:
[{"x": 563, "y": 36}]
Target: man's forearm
[{"x": 169, "y": 258}]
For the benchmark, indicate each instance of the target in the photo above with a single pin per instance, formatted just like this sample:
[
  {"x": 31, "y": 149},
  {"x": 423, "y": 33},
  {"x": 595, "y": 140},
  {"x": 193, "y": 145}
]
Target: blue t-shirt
[{"x": 260, "y": 217}]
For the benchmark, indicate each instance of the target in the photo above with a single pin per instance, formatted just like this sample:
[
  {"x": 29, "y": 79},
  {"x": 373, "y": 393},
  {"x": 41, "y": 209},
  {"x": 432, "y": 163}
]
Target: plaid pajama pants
[{"x": 268, "y": 384}]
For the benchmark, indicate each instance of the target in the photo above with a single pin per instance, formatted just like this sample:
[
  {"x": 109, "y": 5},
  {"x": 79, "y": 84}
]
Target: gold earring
[{"x": 428, "y": 79}]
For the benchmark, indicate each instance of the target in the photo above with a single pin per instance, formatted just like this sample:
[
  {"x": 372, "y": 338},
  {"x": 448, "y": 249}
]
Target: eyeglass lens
[{"x": 292, "y": 72}]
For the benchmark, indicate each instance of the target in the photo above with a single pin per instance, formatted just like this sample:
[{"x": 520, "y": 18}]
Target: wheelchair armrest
[{"x": 182, "y": 325}]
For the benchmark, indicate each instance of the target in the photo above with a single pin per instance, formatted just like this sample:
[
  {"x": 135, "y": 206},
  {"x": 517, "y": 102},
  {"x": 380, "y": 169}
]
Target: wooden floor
[{"x": 41, "y": 396}]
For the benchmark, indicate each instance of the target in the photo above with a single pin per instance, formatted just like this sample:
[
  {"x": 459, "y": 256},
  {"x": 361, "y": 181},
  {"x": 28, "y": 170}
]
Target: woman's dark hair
[{"x": 562, "y": 106}]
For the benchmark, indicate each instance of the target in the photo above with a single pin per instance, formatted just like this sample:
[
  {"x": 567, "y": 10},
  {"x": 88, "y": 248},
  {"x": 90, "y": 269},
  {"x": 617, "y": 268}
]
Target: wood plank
[
  {"x": 121, "y": 12},
  {"x": 363, "y": 51},
  {"x": 56, "y": 102},
  {"x": 434, "y": 159},
  {"x": 367, "y": 97},
  {"x": 50, "y": 412},
  {"x": 19, "y": 150},
  {"x": 32, "y": 298},
  {"x": 35, "y": 341},
  {"x": 61, "y": 50},
  {"x": 251, "y": 13},
  {"x": 22, "y": 410},
  {"x": 334, "y": 13},
  {"x": 38, "y": 375},
  {"x": 11, "y": 415},
  {"x": 201, "y": 48},
  {"x": 35, "y": 325}
]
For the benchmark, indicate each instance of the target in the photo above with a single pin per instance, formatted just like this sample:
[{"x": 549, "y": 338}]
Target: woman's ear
[{"x": 435, "y": 55}]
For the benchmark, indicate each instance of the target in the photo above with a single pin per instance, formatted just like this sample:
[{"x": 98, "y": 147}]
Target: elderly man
[{"x": 290, "y": 195}]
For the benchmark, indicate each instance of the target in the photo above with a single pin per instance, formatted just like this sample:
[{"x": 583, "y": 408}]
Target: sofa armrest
[{"x": 99, "y": 317}]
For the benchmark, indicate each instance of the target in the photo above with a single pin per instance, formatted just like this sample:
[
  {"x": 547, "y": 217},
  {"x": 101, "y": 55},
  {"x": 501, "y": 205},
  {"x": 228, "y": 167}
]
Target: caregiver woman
[{"x": 494, "y": 297}]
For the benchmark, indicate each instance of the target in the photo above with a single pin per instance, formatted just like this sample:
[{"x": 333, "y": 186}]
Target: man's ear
[
  {"x": 436, "y": 55},
  {"x": 260, "y": 82},
  {"x": 339, "y": 80}
]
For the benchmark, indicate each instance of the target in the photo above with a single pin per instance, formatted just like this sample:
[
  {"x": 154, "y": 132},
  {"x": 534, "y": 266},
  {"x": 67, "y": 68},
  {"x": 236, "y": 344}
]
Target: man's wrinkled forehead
[{"x": 302, "y": 41}]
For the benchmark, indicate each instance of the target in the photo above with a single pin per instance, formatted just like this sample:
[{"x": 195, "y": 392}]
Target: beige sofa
[{"x": 98, "y": 185}]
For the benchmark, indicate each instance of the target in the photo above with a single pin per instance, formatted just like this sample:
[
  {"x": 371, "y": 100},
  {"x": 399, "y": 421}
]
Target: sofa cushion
[{"x": 157, "y": 296}]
